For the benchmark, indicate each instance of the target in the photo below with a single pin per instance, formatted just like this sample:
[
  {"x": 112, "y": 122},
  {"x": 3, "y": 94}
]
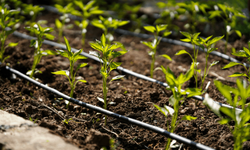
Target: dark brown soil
[{"x": 133, "y": 96}]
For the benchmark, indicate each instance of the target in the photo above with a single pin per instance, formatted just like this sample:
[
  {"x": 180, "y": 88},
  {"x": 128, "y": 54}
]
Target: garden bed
[{"x": 134, "y": 97}]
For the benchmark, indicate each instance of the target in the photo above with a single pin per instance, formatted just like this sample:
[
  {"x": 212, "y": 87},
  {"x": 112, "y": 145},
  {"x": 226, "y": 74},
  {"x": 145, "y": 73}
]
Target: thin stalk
[
  {"x": 152, "y": 66},
  {"x": 195, "y": 61},
  {"x": 83, "y": 39},
  {"x": 105, "y": 91},
  {"x": 72, "y": 79},
  {"x": 205, "y": 71},
  {"x": 61, "y": 31},
  {"x": 225, "y": 51},
  {"x": 2, "y": 47}
]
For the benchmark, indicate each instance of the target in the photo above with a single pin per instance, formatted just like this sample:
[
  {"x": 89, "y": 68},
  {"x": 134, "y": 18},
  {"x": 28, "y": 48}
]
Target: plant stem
[
  {"x": 83, "y": 39},
  {"x": 225, "y": 51},
  {"x": 105, "y": 91},
  {"x": 2, "y": 47},
  {"x": 152, "y": 66}
]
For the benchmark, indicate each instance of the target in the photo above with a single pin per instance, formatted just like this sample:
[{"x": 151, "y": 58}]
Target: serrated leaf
[
  {"x": 166, "y": 56},
  {"x": 189, "y": 118},
  {"x": 150, "y": 28},
  {"x": 231, "y": 64}
]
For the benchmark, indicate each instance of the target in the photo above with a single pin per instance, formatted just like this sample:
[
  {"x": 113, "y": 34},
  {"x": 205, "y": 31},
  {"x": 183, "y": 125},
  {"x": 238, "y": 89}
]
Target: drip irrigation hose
[
  {"x": 118, "y": 68},
  {"x": 115, "y": 115},
  {"x": 147, "y": 36}
]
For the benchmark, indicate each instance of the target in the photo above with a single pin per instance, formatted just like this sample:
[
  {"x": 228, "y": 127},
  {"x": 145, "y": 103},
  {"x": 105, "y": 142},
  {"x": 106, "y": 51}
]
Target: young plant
[
  {"x": 71, "y": 74},
  {"x": 108, "y": 23},
  {"x": 202, "y": 43},
  {"x": 64, "y": 18},
  {"x": 229, "y": 16},
  {"x": 87, "y": 11},
  {"x": 33, "y": 11},
  {"x": 241, "y": 53},
  {"x": 156, "y": 41},
  {"x": 41, "y": 33},
  {"x": 241, "y": 129},
  {"x": 107, "y": 57},
  {"x": 177, "y": 99},
  {"x": 6, "y": 21}
]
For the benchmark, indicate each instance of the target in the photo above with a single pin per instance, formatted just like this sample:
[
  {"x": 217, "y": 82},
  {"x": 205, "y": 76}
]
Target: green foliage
[
  {"x": 41, "y": 33},
  {"x": 73, "y": 57},
  {"x": 108, "y": 23},
  {"x": 66, "y": 121},
  {"x": 241, "y": 53},
  {"x": 64, "y": 18},
  {"x": 6, "y": 21},
  {"x": 178, "y": 98},
  {"x": 32, "y": 11},
  {"x": 206, "y": 43},
  {"x": 106, "y": 55},
  {"x": 229, "y": 16},
  {"x": 156, "y": 41},
  {"x": 241, "y": 130},
  {"x": 86, "y": 12}
]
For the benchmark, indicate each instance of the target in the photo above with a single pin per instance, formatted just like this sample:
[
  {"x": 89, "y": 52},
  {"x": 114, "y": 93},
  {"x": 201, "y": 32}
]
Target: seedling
[
  {"x": 241, "y": 129},
  {"x": 108, "y": 23},
  {"x": 87, "y": 11},
  {"x": 241, "y": 53},
  {"x": 229, "y": 16},
  {"x": 177, "y": 99},
  {"x": 7, "y": 22},
  {"x": 73, "y": 57},
  {"x": 64, "y": 18},
  {"x": 204, "y": 44},
  {"x": 32, "y": 11},
  {"x": 106, "y": 57},
  {"x": 156, "y": 41},
  {"x": 41, "y": 33},
  {"x": 66, "y": 121}
]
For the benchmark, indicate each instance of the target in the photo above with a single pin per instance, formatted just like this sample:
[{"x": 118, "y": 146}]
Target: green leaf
[
  {"x": 237, "y": 74},
  {"x": 97, "y": 46},
  {"x": 97, "y": 24},
  {"x": 61, "y": 72},
  {"x": 58, "y": 24},
  {"x": 77, "y": 53},
  {"x": 80, "y": 57},
  {"x": 238, "y": 33},
  {"x": 195, "y": 36},
  {"x": 84, "y": 81},
  {"x": 214, "y": 63},
  {"x": 189, "y": 118},
  {"x": 224, "y": 90},
  {"x": 160, "y": 28},
  {"x": 167, "y": 33},
  {"x": 182, "y": 52},
  {"x": 193, "y": 92},
  {"x": 82, "y": 65},
  {"x": 186, "y": 40},
  {"x": 67, "y": 45},
  {"x": 186, "y": 34},
  {"x": 162, "y": 110},
  {"x": 166, "y": 56},
  {"x": 148, "y": 44},
  {"x": 225, "y": 121},
  {"x": 150, "y": 28},
  {"x": 122, "y": 23},
  {"x": 12, "y": 44},
  {"x": 231, "y": 64},
  {"x": 214, "y": 40},
  {"x": 114, "y": 65},
  {"x": 50, "y": 52},
  {"x": 103, "y": 40},
  {"x": 49, "y": 36}
]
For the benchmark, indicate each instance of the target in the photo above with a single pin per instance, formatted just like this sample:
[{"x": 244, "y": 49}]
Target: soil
[{"x": 133, "y": 97}]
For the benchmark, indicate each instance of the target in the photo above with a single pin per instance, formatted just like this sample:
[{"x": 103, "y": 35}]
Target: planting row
[{"x": 106, "y": 53}]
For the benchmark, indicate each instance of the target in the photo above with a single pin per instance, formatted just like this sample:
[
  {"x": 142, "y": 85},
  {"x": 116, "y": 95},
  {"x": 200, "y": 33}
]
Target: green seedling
[
  {"x": 41, "y": 33},
  {"x": 202, "y": 43},
  {"x": 73, "y": 57},
  {"x": 6, "y": 21},
  {"x": 241, "y": 129},
  {"x": 193, "y": 9},
  {"x": 229, "y": 16},
  {"x": 156, "y": 41},
  {"x": 64, "y": 18},
  {"x": 86, "y": 12},
  {"x": 241, "y": 53},
  {"x": 66, "y": 121},
  {"x": 177, "y": 99},
  {"x": 34, "y": 121},
  {"x": 107, "y": 57},
  {"x": 32, "y": 11},
  {"x": 108, "y": 23}
]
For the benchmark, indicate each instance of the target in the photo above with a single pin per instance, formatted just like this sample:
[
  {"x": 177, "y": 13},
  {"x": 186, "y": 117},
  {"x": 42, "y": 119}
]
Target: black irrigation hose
[
  {"x": 119, "y": 68},
  {"x": 115, "y": 115},
  {"x": 147, "y": 36}
]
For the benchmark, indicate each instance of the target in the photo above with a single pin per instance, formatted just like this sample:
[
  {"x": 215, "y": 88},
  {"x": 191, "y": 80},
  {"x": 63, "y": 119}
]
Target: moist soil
[{"x": 133, "y": 97}]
